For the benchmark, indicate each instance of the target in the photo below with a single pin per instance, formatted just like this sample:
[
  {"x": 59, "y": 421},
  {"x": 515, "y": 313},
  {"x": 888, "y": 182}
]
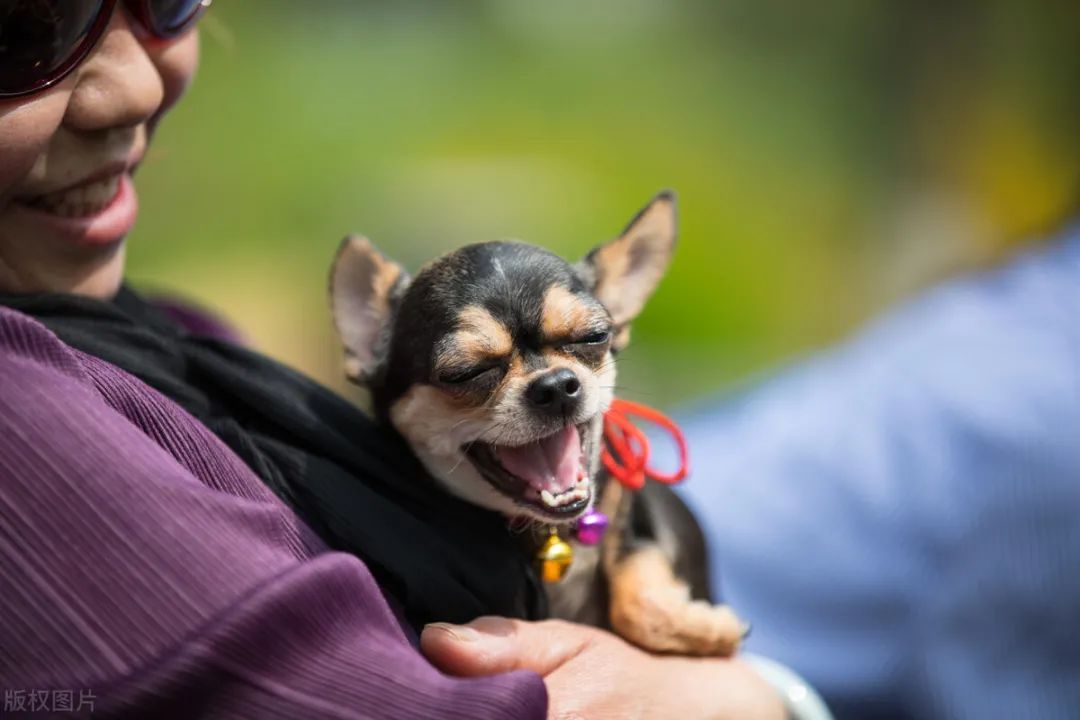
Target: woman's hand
[{"x": 593, "y": 674}]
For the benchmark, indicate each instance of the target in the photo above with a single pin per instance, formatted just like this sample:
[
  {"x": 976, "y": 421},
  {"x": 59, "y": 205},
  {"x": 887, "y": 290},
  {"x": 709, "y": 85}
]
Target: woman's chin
[
  {"x": 103, "y": 281},
  {"x": 92, "y": 271}
]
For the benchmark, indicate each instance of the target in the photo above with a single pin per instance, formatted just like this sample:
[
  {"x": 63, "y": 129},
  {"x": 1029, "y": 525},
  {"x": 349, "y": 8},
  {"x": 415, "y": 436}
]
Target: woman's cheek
[
  {"x": 176, "y": 62},
  {"x": 26, "y": 129}
]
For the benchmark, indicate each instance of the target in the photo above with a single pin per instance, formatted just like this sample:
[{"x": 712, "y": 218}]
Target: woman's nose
[{"x": 117, "y": 85}]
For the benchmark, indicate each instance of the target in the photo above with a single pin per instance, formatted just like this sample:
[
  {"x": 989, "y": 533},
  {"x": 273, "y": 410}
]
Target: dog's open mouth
[{"x": 548, "y": 475}]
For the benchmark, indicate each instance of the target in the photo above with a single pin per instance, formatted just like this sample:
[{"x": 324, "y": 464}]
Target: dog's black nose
[{"x": 557, "y": 392}]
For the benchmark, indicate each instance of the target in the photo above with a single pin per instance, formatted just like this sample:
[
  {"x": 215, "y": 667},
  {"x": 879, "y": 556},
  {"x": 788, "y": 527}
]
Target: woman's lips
[{"x": 97, "y": 213}]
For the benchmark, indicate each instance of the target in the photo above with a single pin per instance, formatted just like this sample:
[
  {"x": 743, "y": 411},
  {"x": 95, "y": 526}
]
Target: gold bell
[{"x": 554, "y": 558}]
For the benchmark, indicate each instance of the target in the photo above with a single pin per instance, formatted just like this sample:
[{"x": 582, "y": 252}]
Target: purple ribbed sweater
[{"x": 143, "y": 562}]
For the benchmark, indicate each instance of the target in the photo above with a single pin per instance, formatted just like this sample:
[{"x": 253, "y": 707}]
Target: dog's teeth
[{"x": 560, "y": 498}]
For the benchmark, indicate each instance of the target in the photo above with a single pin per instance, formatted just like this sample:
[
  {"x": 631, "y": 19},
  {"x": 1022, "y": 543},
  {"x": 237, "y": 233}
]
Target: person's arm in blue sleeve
[{"x": 900, "y": 518}]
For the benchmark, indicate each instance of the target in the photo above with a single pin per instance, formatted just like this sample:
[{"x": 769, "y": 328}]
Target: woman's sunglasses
[{"x": 41, "y": 41}]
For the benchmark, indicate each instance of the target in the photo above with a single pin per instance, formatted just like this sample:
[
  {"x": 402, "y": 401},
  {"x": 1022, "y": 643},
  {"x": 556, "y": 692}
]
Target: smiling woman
[
  {"x": 170, "y": 502},
  {"x": 72, "y": 142}
]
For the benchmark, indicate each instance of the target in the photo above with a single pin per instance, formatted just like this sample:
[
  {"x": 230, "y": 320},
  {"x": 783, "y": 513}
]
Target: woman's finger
[{"x": 490, "y": 645}]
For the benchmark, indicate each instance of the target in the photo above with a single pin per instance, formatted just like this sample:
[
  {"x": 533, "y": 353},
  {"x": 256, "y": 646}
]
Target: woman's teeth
[{"x": 81, "y": 201}]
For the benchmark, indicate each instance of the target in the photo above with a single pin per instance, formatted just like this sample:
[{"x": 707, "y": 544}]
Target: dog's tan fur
[
  {"x": 423, "y": 415},
  {"x": 652, "y": 608}
]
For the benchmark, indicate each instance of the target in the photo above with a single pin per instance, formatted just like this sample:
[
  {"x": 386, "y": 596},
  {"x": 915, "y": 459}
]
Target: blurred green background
[{"x": 830, "y": 157}]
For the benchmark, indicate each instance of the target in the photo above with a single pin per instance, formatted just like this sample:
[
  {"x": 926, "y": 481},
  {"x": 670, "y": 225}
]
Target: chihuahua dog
[{"x": 496, "y": 363}]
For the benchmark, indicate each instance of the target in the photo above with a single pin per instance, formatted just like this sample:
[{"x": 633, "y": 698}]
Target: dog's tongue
[{"x": 551, "y": 464}]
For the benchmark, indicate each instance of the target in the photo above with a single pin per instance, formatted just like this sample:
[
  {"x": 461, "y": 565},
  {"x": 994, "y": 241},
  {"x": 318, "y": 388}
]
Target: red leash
[{"x": 626, "y": 452}]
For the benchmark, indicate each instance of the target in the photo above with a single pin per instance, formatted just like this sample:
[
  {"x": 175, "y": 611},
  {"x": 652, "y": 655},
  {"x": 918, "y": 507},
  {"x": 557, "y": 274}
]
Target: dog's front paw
[{"x": 652, "y": 608}]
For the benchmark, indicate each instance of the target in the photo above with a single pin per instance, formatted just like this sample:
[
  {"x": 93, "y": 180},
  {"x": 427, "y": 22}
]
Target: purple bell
[{"x": 590, "y": 527}]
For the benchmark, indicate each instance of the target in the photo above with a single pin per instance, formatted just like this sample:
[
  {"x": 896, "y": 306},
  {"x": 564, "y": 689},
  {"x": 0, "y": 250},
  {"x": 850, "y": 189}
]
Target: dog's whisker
[
  {"x": 468, "y": 446},
  {"x": 458, "y": 424},
  {"x": 458, "y": 463},
  {"x": 465, "y": 419}
]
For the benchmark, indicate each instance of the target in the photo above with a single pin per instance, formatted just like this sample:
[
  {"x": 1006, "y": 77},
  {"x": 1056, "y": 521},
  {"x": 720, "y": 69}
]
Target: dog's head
[{"x": 496, "y": 361}]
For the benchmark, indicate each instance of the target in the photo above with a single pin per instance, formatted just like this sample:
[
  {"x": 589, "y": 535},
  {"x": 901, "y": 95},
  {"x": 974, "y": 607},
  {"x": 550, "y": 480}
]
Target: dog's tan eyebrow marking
[
  {"x": 478, "y": 335},
  {"x": 565, "y": 314},
  {"x": 479, "y": 328}
]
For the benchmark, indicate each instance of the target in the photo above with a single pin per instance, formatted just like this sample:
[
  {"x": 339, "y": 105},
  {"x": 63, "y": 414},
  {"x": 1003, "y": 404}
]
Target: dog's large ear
[
  {"x": 365, "y": 291},
  {"x": 623, "y": 273}
]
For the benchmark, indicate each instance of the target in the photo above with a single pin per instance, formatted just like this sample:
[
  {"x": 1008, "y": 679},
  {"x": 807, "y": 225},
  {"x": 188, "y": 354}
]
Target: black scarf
[{"x": 355, "y": 482}]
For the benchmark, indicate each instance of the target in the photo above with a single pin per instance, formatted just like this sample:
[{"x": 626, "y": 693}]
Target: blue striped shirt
[{"x": 899, "y": 518}]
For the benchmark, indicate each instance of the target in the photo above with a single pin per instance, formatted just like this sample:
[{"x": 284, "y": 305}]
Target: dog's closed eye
[
  {"x": 474, "y": 355},
  {"x": 461, "y": 376},
  {"x": 597, "y": 337},
  {"x": 591, "y": 347}
]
